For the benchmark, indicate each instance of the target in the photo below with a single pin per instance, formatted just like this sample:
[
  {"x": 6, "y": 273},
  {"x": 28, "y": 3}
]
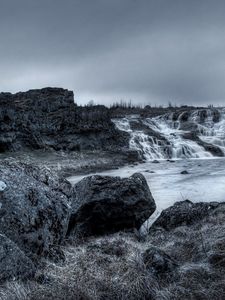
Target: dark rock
[
  {"x": 49, "y": 118},
  {"x": 131, "y": 155},
  {"x": 13, "y": 262},
  {"x": 184, "y": 116},
  {"x": 185, "y": 172},
  {"x": 158, "y": 262},
  {"x": 34, "y": 210},
  {"x": 188, "y": 126},
  {"x": 216, "y": 115},
  {"x": 155, "y": 161},
  {"x": 214, "y": 150},
  {"x": 185, "y": 213},
  {"x": 103, "y": 204},
  {"x": 217, "y": 259}
]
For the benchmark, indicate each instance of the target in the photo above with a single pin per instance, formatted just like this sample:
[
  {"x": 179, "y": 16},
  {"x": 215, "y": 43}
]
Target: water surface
[{"x": 205, "y": 181}]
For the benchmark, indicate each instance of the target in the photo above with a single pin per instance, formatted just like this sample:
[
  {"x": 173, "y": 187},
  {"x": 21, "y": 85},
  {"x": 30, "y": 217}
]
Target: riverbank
[
  {"x": 186, "y": 262},
  {"x": 69, "y": 163},
  {"x": 85, "y": 242}
]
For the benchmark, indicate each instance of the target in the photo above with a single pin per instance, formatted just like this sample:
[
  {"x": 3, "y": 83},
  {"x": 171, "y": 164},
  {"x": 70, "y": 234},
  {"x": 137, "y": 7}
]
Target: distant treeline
[{"x": 129, "y": 105}]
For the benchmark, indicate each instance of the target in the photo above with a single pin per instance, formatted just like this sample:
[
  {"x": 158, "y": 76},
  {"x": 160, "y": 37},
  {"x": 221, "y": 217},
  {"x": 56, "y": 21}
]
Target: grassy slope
[{"x": 111, "y": 267}]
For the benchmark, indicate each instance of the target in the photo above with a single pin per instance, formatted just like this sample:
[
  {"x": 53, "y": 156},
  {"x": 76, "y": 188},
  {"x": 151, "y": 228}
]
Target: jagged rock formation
[
  {"x": 49, "y": 118},
  {"x": 103, "y": 204}
]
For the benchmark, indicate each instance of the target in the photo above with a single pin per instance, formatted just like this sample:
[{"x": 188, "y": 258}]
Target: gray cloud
[{"x": 148, "y": 51}]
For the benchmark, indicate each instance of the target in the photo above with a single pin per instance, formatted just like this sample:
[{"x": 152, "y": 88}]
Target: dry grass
[{"x": 112, "y": 267}]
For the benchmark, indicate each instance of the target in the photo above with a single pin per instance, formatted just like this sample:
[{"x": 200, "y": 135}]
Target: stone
[
  {"x": 35, "y": 207},
  {"x": 185, "y": 213},
  {"x": 103, "y": 204},
  {"x": 185, "y": 172},
  {"x": 155, "y": 161}
]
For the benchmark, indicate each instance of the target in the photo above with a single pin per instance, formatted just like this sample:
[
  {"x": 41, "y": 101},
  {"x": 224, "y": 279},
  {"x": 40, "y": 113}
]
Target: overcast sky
[{"x": 150, "y": 51}]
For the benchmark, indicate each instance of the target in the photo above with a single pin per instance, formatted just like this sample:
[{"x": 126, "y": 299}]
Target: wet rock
[
  {"x": 155, "y": 161},
  {"x": 103, "y": 204},
  {"x": 13, "y": 262},
  {"x": 188, "y": 126},
  {"x": 184, "y": 116},
  {"x": 185, "y": 172},
  {"x": 216, "y": 115},
  {"x": 214, "y": 150},
  {"x": 185, "y": 213},
  {"x": 34, "y": 210},
  {"x": 158, "y": 262}
]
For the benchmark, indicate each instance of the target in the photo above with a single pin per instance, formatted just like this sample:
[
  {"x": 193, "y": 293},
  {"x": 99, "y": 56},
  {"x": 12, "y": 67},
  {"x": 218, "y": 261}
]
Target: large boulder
[
  {"x": 13, "y": 262},
  {"x": 103, "y": 204},
  {"x": 34, "y": 207},
  {"x": 185, "y": 213}
]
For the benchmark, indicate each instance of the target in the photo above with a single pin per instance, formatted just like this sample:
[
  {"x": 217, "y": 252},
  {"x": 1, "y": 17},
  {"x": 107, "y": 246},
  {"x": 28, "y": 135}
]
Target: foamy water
[{"x": 169, "y": 141}]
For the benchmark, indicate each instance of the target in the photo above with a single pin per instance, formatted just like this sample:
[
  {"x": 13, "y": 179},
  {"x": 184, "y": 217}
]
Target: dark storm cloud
[{"x": 148, "y": 51}]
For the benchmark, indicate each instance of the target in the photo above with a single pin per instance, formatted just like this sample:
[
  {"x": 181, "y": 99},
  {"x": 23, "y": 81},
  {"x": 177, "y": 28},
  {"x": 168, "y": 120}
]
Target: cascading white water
[
  {"x": 181, "y": 148},
  {"x": 210, "y": 131},
  {"x": 166, "y": 137},
  {"x": 140, "y": 141}
]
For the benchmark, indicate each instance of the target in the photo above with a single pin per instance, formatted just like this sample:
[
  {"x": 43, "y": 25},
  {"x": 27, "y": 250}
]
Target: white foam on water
[{"x": 170, "y": 143}]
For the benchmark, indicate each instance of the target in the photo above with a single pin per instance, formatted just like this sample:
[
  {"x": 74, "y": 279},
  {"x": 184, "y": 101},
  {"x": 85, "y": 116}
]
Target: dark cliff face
[{"x": 49, "y": 118}]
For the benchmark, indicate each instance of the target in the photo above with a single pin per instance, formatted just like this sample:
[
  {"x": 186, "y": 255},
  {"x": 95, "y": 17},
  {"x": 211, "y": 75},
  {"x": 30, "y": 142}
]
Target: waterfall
[
  {"x": 210, "y": 131},
  {"x": 148, "y": 148},
  {"x": 178, "y": 135}
]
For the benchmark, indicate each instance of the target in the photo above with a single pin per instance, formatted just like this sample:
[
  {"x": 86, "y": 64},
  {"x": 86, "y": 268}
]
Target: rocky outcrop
[
  {"x": 49, "y": 118},
  {"x": 103, "y": 204},
  {"x": 13, "y": 262},
  {"x": 185, "y": 213},
  {"x": 34, "y": 207}
]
